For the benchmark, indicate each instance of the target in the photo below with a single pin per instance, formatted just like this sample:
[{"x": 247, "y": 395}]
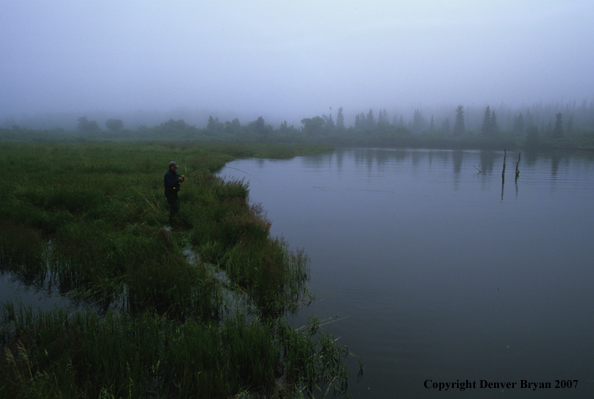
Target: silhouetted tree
[
  {"x": 529, "y": 120},
  {"x": 233, "y": 127},
  {"x": 494, "y": 126},
  {"x": 432, "y": 124},
  {"x": 519, "y": 124},
  {"x": 446, "y": 125},
  {"x": 173, "y": 125},
  {"x": 313, "y": 126},
  {"x": 532, "y": 137},
  {"x": 558, "y": 132},
  {"x": 418, "y": 124},
  {"x": 370, "y": 119},
  {"x": 114, "y": 124},
  {"x": 328, "y": 121},
  {"x": 363, "y": 120},
  {"x": 214, "y": 125},
  {"x": 570, "y": 125},
  {"x": 486, "y": 127},
  {"x": 383, "y": 118},
  {"x": 85, "y": 125},
  {"x": 259, "y": 129},
  {"x": 340, "y": 119},
  {"x": 459, "y": 127}
]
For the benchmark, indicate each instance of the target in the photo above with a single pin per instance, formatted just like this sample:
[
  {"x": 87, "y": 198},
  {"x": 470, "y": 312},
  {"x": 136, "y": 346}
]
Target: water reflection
[
  {"x": 457, "y": 157},
  {"x": 555, "y": 161},
  {"x": 37, "y": 286},
  {"x": 441, "y": 279},
  {"x": 484, "y": 164}
]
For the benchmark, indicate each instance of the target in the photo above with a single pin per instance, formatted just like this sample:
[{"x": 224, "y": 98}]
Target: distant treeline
[{"x": 537, "y": 127}]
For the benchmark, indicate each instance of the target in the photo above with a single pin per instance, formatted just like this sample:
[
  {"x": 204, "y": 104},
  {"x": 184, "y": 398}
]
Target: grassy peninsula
[{"x": 197, "y": 310}]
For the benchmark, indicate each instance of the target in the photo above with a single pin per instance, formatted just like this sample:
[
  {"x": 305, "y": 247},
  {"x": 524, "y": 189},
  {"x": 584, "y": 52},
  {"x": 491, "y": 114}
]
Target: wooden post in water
[
  {"x": 504, "y": 156},
  {"x": 517, "y": 166},
  {"x": 503, "y": 172}
]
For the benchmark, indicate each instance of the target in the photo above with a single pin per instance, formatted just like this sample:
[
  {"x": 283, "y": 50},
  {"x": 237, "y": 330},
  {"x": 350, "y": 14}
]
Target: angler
[{"x": 172, "y": 182}]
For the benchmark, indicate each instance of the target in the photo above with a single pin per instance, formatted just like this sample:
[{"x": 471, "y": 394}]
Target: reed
[
  {"x": 273, "y": 276},
  {"x": 88, "y": 219},
  {"x": 57, "y": 354},
  {"x": 22, "y": 252}
]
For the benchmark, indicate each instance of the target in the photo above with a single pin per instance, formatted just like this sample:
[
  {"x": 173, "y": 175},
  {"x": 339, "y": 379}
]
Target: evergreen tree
[
  {"x": 432, "y": 124},
  {"x": 570, "y": 125},
  {"x": 233, "y": 127},
  {"x": 362, "y": 120},
  {"x": 532, "y": 137},
  {"x": 558, "y": 132},
  {"x": 357, "y": 122},
  {"x": 549, "y": 130},
  {"x": 486, "y": 128},
  {"x": 418, "y": 124},
  {"x": 529, "y": 121},
  {"x": 340, "y": 119},
  {"x": 519, "y": 124},
  {"x": 459, "y": 127},
  {"x": 370, "y": 119},
  {"x": 383, "y": 118},
  {"x": 446, "y": 125},
  {"x": 494, "y": 126},
  {"x": 260, "y": 128},
  {"x": 213, "y": 124}
]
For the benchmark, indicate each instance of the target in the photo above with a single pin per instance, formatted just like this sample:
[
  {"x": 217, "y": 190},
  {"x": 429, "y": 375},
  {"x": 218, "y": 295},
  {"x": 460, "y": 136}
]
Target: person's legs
[{"x": 173, "y": 202}]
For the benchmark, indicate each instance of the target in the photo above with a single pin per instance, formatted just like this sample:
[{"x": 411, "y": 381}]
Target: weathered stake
[
  {"x": 517, "y": 166},
  {"x": 504, "y": 156},
  {"x": 503, "y": 172}
]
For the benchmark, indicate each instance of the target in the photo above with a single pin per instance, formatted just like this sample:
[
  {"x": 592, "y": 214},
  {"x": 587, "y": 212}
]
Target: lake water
[{"x": 442, "y": 273}]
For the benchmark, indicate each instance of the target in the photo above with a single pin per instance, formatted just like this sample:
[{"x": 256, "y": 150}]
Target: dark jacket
[{"x": 171, "y": 182}]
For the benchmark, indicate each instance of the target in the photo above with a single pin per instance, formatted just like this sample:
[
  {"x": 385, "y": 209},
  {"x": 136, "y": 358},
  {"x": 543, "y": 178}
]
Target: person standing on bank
[{"x": 172, "y": 181}]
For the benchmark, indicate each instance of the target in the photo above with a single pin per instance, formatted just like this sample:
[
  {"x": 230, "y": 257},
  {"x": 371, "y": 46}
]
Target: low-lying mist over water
[{"x": 145, "y": 63}]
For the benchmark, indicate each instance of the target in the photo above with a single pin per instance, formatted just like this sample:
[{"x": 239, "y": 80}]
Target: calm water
[{"x": 442, "y": 273}]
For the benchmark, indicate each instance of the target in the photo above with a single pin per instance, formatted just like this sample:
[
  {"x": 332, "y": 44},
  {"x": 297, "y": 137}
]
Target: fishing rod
[
  {"x": 243, "y": 171},
  {"x": 230, "y": 167}
]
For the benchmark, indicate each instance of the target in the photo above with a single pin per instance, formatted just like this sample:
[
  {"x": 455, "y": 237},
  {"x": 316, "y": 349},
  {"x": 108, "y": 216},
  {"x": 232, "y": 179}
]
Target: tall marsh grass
[
  {"x": 79, "y": 355},
  {"x": 91, "y": 220}
]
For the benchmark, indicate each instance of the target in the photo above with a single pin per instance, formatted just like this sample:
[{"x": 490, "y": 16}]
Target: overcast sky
[{"x": 291, "y": 58}]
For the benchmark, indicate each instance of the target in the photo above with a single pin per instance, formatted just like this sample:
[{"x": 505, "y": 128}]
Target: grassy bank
[{"x": 196, "y": 310}]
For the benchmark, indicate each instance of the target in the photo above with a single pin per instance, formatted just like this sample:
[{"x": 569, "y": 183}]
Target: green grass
[
  {"x": 102, "y": 207},
  {"x": 80, "y": 355},
  {"x": 89, "y": 220}
]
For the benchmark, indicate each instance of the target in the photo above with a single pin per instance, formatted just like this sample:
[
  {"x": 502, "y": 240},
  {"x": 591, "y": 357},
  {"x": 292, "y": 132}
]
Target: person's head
[{"x": 173, "y": 166}]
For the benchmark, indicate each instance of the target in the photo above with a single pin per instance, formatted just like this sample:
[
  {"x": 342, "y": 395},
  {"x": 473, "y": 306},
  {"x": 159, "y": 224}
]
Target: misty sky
[{"x": 291, "y": 58}]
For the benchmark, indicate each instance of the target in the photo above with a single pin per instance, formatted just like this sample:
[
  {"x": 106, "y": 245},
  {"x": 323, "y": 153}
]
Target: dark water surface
[
  {"x": 444, "y": 274},
  {"x": 14, "y": 289}
]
